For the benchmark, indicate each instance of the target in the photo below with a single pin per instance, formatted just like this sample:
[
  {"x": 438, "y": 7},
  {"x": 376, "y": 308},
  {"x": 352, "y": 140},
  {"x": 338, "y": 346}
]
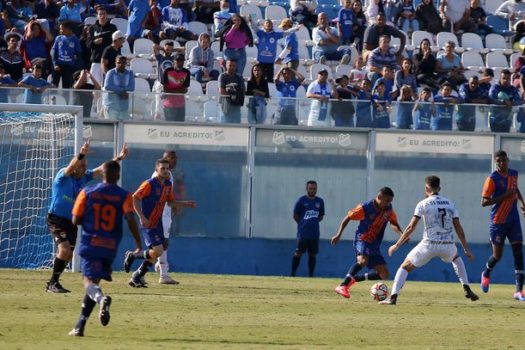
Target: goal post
[{"x": 35, "y": 142}]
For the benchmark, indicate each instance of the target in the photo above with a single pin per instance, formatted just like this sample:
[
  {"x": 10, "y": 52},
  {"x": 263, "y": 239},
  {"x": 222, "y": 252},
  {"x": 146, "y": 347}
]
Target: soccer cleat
[
  {"x": 519, "y": 296},
  {"x": 485, "y": 281},
  {"x": 352, "y": 282},
  {"x": 56, "y": 288},
  {"x": 343, "y": 291},
  {"x": 388, "y": 301},
  {"x": 469, "y": 294},
  {"x": 77, "y": 332},
  {"x": 167, "y": 280},
  {"x": 103, "y": 314},
  {"x": 136, "y": 282},
  {"x": 128, "y": 260}
]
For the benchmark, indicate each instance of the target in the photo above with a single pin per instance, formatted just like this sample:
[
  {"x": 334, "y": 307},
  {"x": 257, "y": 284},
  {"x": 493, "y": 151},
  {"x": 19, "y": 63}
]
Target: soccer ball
[{"x": 379, "y": 291}]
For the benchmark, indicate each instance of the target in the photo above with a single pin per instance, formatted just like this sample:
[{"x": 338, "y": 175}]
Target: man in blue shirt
[
  {"x": 100, "y": 238},
  {"x": 308, "y": 213},
  {"x": 470, "y": 92},
  {"x": 66, "y": 53},
  {"x": 287, "y": 92},
  {"x": 445, "y": 106},
  {"x": 504, "y": 96},
  {"x": 119, "y": 82},
  {"x": 66, "y": 186},
  {"x": 35, "y": 85}
]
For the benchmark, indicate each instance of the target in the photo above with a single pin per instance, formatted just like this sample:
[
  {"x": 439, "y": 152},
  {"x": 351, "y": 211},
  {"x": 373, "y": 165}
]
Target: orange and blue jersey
[
  {"x": 373, "y": 221},
  {"x": 101, "y": 208},
  {"x": 154, "y": 196},
  {"x": 495, "y": 185}
]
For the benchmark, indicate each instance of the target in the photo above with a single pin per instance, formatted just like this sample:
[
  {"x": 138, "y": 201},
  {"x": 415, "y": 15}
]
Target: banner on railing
[
  {"x": 434, "y": 143},
  {"x": 186, "y": 135},
  {"x": 311, "y": 139}
]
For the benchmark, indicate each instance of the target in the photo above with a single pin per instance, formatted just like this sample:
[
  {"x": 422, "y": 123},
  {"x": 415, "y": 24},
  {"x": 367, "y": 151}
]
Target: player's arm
[
  {"x": 177, "y": 205},
  {"x": 340, "y": 230},
  {"x": 296, "y": 217},
  {"x": 143, "y": 191},
  {"x": 488, "y": 190},
  {"x": 75, "y": 162},
  {"x": 121, "y": 156},
  {"x": 462, "y": 239},
  {"x": 405, "y": 236},
  {"x": 394, "y": 224},
  {"x": 78, "y": 208},
  {"x": 522, "y": 203}
]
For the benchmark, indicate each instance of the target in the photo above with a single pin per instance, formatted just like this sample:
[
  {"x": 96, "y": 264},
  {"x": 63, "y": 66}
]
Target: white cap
[{"x": 117, "y": 35}]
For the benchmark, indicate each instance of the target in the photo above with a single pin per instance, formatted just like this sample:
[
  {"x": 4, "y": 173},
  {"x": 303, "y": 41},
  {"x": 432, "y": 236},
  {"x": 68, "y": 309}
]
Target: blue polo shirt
[{"x": 64, "y": 191}]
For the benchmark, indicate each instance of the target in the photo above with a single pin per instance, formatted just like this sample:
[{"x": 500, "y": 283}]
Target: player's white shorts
[{"x": 425, "y": 251}]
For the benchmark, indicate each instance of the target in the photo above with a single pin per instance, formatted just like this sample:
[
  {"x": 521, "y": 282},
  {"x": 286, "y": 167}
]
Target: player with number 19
[
  {"x": 441, "y": 219},
  {"x": 100, "y": 210}
]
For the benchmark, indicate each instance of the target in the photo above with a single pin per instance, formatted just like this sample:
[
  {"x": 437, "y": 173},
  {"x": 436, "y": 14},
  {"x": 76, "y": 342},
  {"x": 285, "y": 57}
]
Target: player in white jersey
[
  {"x": 162, "y": 265},
  {"x": 441, "y": 219}
]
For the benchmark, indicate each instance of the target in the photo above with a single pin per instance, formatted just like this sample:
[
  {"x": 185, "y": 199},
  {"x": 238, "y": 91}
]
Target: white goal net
[{"x": 35, "y": 141}]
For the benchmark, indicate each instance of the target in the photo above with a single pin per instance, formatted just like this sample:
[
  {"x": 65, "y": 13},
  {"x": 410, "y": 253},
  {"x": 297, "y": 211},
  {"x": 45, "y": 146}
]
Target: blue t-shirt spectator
[
  {"x": 66, "y": 51},
  {"x": 138, "y": 9},
  {"x": 291, "y": 42},
  {"x": 310, "y": 212},
  {"x": 287, "y": 91},
  {"x": 4, "y": 92},
  {"x": 444, "y": 112},
  {"x": 346, "y": 22},
  {"x": 31, "y": 97},
  {"x": 267, "y": 45}
]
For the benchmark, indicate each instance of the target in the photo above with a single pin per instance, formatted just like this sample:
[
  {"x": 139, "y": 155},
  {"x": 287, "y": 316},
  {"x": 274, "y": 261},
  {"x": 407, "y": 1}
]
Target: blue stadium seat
[{"x": 500, "y": 25}]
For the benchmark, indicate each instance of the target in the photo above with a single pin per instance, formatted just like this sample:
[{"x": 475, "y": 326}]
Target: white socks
[
  {"x": 95, "y": 293},
  {"x": 399, "y": 280},
  {"x": 461, "y": 272},
  {"x": 163, "y": 264}
]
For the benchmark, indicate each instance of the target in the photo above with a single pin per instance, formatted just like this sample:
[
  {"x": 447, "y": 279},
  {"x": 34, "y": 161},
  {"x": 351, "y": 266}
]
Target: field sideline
[{"x": 247, "y": 312}]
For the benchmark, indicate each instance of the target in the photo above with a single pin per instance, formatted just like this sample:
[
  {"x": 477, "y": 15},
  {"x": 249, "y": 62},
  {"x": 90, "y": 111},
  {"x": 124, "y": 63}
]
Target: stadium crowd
[{"x": 427, "y": 61}]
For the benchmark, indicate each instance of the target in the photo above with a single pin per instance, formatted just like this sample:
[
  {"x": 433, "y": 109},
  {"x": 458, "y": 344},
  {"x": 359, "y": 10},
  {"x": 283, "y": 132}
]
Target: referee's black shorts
[
  {"x": 307, "y": 244},
  {"x": 62, "y": 230}
]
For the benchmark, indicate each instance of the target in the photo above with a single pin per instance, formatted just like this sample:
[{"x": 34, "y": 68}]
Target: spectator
[
  {"x": 504, "y": 96},
  {"x": 221, "y": 17},
  {"x": 424, "y": 110},
  {"x": 202, "y": 59},
  {"x": 11, "y": 57},
  {"x": 303, "y": 12},
  {"x": 380, "y": 28},
  {"x": 85, "y": 52},
  {"x": 187, "y": 6},
  {"x": 71, "y": 12},
  {"x": 175, "y": 23},
  {"x": 406, "y": 76},
  {"x": 47, "y": 12},
  {"x": 407, "y": 16},
  {"x": 99, "y": 37},
  {"x": 290, "y": 53},
  {"x": 405, "y": 106},
  {"x": 204, "y": 10},
  {"x": 18, "y": 21},
  {"x": 428, "y": 17},
  {"x": 236, "y": 34},
  {"x": 35, "y": 85},
  {"x": 85, "y": 82},
  {"x": 381, "y": 57},
  {"x": 35, "y": 46},
  {"x": 381, "y": 106},
  {"x": 485, "y": 81},
  {"x": 232, "y": 91},
  {"x": 152, "y": 23},
  {"x": 165, "y": 60},
  {"x": 118, "y": 83},
  {"x": 113, "y": 7},
  {"x": 425, "y": 66},
  {"x": 326, "y": 42},
  {"x": 455, "y": 15},
  {"x": 137, "y": 12},
  {"x": 5, "y": 83},
  {"x": 388, "y": 79},
  {"x": 66, "y": 54},
  {"x": 359, "y": 24},
  {"x": 343, "y": 110},
  {"x": 345, "y": 22},
  {"x": 257, "y": 87},
  {"x": 479, "y": 17},
  {"x": 358, "y": 73},
  {"x": 287, "y": 92},
  {"x": 513, "y": 10},
  {"x": 470, "y": 92},
  {"x": 110, "y": 53},
  {"x": 320, "y": 91},
  {"x": 267, "y": 40},
  {"x": 449, "y": 66},
  {"x": 176, "y": 80},
  {"x": 445, "y": 108},
  {"x": 363, "y": 113}
]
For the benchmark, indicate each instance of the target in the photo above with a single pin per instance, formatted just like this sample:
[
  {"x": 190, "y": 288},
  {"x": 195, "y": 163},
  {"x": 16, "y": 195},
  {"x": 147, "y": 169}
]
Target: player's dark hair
[
  {"x": 311, "y": 182},
  {"x": 386, "y": 191},
  {"x": 111, "y": 170},
  {"x": 169, "y": 152},
  {"x": 433, "y": 182},
  {"x": 500, "y": 153},
  {"x": 161, "y": 161}
]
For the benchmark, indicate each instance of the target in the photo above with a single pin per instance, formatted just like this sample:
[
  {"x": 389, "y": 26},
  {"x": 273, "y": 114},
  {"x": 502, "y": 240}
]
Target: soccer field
[{"x": 247, "y": 312}]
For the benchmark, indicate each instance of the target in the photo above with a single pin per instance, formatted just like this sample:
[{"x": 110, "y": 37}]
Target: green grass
[{"x": 245, "y": 312}]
